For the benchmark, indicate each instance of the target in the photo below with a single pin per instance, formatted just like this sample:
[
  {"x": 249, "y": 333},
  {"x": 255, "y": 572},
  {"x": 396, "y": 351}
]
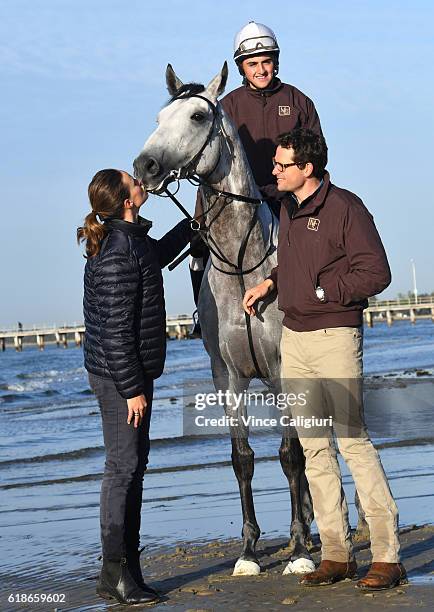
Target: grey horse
[{"x": 194, "y": 137}]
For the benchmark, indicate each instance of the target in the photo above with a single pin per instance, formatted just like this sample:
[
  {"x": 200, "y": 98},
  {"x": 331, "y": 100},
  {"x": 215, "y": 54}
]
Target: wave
[
  {"x": 39, "y": 402},
  {"x": 209, "y": 465},
  {"x": 11, "y": 397},
  {"x": 81, "y": 453},
  {"x": 32, "y": 385},
  {"x": 14, "y": 397},
  {"x": 179, "y": 441},
  {"x": 94, "y": 451},
  {"x": 98, "y": 476},
  {"x": 50, "y": 373},
  {"x": 43, "y": 380},
  {"x": 43, "y": 374}
]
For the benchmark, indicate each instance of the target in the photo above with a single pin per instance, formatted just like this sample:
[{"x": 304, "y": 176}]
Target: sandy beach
[{"x": 197, "y": 578}]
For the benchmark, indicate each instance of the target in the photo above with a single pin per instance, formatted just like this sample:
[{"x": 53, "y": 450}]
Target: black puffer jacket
[{"x": 124, "y": 309}]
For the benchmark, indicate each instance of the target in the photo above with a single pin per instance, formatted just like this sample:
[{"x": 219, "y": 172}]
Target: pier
[
  {"x": 177, "y": 327},
  {"x": 389, "y": 311}
]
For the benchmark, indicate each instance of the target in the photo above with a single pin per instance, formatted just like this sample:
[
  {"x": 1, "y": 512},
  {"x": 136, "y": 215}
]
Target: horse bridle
[{"x": 188, "y": 171}]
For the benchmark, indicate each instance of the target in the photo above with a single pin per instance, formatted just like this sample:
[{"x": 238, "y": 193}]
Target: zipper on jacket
[
  {"x": 264, "y": 104},
  {"x": 289, "y": 225}
]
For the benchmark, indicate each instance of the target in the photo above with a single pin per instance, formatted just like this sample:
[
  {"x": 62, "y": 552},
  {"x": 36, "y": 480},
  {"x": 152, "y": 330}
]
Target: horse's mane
[{"x": 187, "y": 90}]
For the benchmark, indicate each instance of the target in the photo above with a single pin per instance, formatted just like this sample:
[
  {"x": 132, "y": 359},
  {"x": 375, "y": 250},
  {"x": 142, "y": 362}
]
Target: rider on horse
[{"x": 261, "y": 109}]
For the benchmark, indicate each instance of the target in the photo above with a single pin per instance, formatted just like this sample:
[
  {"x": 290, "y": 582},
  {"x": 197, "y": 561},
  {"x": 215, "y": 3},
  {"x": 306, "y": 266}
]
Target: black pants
[{"x": 127, "y": 451}]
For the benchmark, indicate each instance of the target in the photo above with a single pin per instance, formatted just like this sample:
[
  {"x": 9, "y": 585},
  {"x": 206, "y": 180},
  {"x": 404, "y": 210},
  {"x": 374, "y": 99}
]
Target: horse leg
[
  {"x": 362, "y": 531},
  {"x": 293, "y": 463},
  {"x": 306, "y": 505},
  {"x": 243, "y": 465}
]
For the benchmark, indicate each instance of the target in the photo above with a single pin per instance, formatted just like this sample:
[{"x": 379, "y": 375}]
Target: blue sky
[{"x": 82, "y": 83}]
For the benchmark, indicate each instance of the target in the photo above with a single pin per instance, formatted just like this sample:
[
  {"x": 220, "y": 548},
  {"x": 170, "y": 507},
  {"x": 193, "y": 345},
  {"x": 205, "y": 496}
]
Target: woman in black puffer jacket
[{"x": 124, "y": 351}]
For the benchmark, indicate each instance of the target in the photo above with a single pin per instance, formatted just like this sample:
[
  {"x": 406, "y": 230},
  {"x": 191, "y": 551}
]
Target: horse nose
[{"x": 146, "y": 167}]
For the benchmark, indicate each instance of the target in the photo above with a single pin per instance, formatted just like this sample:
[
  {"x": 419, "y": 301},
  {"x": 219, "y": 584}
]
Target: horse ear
[
  {"x": 217, "y": 86},
  {"x": 172, "y": 81}
]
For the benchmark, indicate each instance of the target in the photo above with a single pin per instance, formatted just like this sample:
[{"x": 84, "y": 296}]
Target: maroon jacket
[
  {"x": 330, "y": 241},
  {"x": 260, "y": 116}
]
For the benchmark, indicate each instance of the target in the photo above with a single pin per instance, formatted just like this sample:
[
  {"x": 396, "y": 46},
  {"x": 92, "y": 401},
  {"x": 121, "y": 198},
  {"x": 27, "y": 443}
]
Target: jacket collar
[
  {"x": 140, "y": 229},
  {"x": 314, "y": 201},
  {"x": 276, "y": 85}
]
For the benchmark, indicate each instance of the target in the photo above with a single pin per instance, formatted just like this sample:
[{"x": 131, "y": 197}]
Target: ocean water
[{"x": 51, "y": 454}]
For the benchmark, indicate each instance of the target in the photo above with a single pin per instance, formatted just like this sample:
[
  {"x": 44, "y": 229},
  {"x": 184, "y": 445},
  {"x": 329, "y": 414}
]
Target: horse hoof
[
  {"x": 299, "y": 566},
  {"x": 246, "y": 568}
]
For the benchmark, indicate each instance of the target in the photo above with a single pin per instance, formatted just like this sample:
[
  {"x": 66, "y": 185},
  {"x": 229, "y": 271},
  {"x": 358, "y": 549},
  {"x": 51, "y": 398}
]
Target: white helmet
[{"x": 254, "y": 39}]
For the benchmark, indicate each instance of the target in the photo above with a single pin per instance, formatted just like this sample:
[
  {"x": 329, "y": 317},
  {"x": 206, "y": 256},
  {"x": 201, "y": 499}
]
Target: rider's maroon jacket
[
  {"x": 260, "y": 116},
  {"x": 329, "y": 241}
]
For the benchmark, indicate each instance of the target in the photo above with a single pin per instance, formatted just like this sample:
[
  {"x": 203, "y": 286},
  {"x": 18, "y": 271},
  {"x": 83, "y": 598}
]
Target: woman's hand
[
  {"x": 256, "y": 293},
  {"x": 136, "y": 409}
]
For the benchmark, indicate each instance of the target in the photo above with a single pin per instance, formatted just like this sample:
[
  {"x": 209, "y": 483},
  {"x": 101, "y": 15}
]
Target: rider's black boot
[{"x": 196, "y": 281}]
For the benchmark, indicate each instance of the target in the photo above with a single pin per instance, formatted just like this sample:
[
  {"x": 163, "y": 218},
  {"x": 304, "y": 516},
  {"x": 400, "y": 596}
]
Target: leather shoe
[
  {"x": 383, "y": 576},
  {"x": 329, "y": 572}
]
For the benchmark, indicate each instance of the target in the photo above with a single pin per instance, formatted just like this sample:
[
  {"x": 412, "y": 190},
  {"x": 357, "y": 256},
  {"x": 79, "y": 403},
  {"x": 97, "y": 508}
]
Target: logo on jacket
[
  {"x": 313, "y": 224},
  {"x": 284, "y": 111}
]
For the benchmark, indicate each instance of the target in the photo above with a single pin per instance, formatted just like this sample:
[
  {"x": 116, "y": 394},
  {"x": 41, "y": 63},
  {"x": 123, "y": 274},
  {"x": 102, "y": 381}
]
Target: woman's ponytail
[
  {"x": 92, "y": 232},
  {"x": 107, "y": 193}
]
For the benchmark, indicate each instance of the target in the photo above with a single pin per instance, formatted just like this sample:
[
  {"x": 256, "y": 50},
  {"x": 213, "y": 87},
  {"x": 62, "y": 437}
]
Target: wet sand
[
  {"x": 49, "y": 534},
  {"x": 198, "y": 578}
]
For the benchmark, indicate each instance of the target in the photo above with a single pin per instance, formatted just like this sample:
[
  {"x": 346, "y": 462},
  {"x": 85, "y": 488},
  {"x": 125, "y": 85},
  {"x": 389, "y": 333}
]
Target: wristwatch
[{"x": 320, "y": 294}]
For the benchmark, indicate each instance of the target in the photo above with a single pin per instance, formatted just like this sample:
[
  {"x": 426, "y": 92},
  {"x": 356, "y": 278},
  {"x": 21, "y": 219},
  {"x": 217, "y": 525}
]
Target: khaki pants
[{"x": 328, "y": 362}]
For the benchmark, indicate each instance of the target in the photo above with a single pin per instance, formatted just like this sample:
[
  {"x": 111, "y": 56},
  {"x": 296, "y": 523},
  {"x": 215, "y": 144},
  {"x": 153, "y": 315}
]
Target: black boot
[
  {"x": 200, "y": 250},
  {"x": 116, "y": 582},
  {"x": 133, "y": 561},
  {"x": 196, "y": 331},
  {"x": 196, "y": 281}
]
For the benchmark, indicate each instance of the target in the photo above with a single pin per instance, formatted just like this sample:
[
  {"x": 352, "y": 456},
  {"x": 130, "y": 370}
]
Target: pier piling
[
  {"x": 40, "y": 341},
  {"x": 18, "y": 343}
]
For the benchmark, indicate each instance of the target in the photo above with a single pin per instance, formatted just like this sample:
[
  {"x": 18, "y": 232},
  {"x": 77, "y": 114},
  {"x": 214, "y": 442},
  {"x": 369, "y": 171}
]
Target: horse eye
[{"x": 198, "y": 117}]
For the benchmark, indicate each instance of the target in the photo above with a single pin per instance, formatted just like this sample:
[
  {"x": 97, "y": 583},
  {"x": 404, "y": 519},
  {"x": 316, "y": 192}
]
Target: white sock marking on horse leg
[
  {"x": 246, "y": 568},
  {"x": 299, "y": 566}
]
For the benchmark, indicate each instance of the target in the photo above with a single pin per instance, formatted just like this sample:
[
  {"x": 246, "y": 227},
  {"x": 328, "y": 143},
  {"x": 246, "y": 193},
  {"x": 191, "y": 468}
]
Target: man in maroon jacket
[
  {"x": 261, "y": 109},
  {"x": 330, "y": 260}
]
